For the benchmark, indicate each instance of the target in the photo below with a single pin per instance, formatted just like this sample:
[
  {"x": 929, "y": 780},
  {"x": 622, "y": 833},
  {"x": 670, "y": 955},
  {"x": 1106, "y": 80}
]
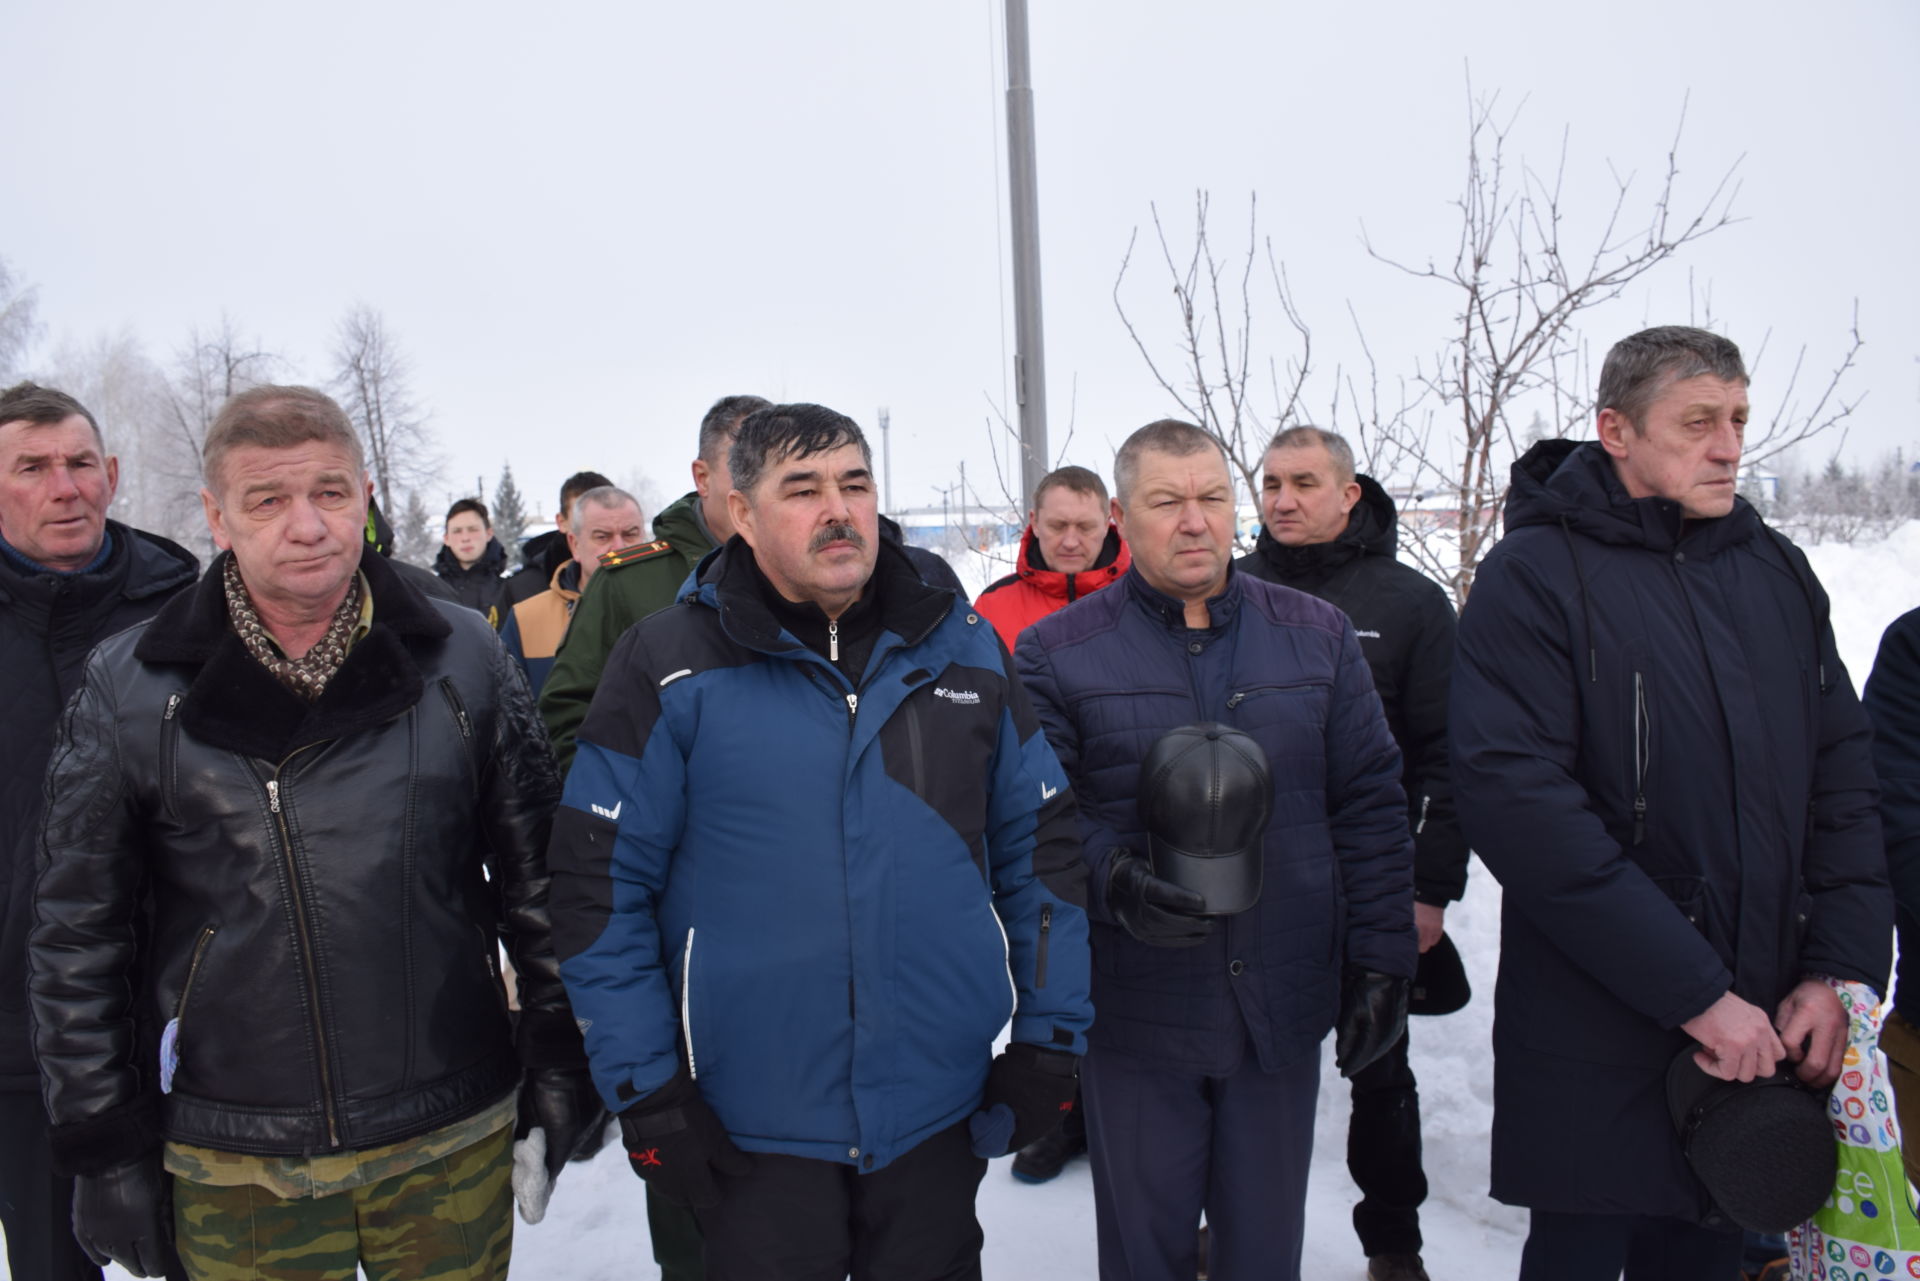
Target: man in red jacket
[{"x": 1071, "y": 548}]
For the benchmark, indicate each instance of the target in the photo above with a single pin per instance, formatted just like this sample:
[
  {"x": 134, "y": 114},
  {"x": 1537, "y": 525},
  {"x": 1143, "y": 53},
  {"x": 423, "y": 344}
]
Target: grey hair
[
  {"x": 1642, "y": 365},
  {"x": 1332, "y": 441},
  {"x": 601, "y": 496},
  {"x": 1167, "y": 436},
  {"x": 722, "y": 422},
  {"x": 279, "y": 418}
]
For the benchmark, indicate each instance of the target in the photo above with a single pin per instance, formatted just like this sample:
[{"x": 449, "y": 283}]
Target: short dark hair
[
  {"x": 1080, "y": 480},
  {"x": 275, "y": 417},
  {"x": 1332, "y": 441},
  {"x": 473, "y": 505},
  {"x": 577, "y": 484},
  {"x": 1167, "y": 436},
  {"x": 29, "y": 402},
  {"x": 789, "y": 431},
  {"x": 722, "y": 423},
  {"x": 1641, "y": 365}
]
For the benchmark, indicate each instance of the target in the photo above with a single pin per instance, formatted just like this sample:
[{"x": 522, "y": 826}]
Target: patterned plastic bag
[{"x": 1868, "y": 1229}]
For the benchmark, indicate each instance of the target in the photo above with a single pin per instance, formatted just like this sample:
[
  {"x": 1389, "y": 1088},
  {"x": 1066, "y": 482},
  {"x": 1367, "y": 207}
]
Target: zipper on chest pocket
[
  {"x": 169, "y": 755},
  {"x": 458, "y": 708},
  {"x": 1642, "y": 749},
  {"x": 1046, "y": 930}
]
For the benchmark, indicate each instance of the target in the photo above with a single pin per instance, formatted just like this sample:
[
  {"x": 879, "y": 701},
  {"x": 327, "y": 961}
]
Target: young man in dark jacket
[
  {"x": 69, "y": 577},
  {"x": 289, "y": 821},
  {"x": 1204, "y": 1061},
  {"x": 1658, "y": 753},
  {"x": 1330, "y": 532},
  {"x": 814, "y": 850},
  {"x": 471, "y": 561}
]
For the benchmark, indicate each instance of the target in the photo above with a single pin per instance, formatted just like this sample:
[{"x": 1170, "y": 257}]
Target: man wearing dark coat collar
[
  {"x": 68, "y": 578},
  {"x": 1658, "y": 752},
  {"x": 289, "y": 823},
  {"x": 1330, "y": 532}
]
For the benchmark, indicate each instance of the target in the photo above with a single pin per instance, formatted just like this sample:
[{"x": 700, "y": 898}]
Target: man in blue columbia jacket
[
  {"x": 1204, "y": 1066},
  {"x": 814, "y": 853}
]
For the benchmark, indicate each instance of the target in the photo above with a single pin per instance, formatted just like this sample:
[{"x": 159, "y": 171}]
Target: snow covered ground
[{"x": 596, "y": 1227}]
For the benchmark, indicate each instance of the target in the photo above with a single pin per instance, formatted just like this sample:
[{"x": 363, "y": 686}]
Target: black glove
[
  {"x": 676, "y": 1143},
  {"x": 1373, "y": 1015},
  {"x": 124, "y": 1215},
  {"x": 563, "y": 1102},
  {"x": 1030, "y": 1090},
  {"x": 1152, "y": 910}
]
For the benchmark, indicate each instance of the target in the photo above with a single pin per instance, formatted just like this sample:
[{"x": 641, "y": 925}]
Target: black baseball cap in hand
[{"x": 1206, "y": 793}]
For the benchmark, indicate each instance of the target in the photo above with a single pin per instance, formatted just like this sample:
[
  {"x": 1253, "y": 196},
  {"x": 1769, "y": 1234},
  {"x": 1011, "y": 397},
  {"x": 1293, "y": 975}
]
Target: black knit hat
[
  {"x": 1764, "y": 1148},
  {"x": 1440, "y": 984},
  {"x": 1205, "y": 795}
]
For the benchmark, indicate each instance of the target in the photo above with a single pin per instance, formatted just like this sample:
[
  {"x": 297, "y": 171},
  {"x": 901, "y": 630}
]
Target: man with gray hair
[
  {"x": 1204, "y": 1059},
  {"x": 602, "y": 521},
  {"x": 289, "y": 822},
  {"x": 1658, "y": 753},
  {"x": 1331, "y": 532}
]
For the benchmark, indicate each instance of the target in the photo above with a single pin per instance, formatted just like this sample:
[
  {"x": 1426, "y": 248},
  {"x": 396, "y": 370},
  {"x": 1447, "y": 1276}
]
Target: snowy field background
[{"x": 595, "y": 1229}]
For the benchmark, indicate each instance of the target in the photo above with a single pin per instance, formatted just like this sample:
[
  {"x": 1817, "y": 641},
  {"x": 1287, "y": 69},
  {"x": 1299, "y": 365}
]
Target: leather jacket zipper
[
  {"x": 169, "y": 750},
  {"x": 193, "y": 970},
  {"x": 305, "y": 930}
]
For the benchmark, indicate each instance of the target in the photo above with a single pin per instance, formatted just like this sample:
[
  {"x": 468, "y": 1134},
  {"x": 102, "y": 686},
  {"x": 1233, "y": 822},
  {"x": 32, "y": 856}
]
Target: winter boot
[
  {"x": 1396, "y": 1267},
  {"x": 1046, "y": 1156}
]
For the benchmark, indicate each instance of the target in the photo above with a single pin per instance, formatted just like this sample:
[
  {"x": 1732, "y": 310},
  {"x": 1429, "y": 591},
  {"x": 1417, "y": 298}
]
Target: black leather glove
[
  {"x": 1030, "y": 1090},
  {"x": 563, "y": 1102},
  {"x": 676, "y": 1144},
  {"x": 124, "y": 1215},
  {"x": 1373, "y": 1015},
  {"x": 1152, "y": 910}
]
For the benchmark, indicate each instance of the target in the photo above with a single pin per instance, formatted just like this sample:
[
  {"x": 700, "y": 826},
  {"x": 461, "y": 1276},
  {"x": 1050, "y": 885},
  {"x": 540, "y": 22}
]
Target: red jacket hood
[{"x": 1033, "y": 591}]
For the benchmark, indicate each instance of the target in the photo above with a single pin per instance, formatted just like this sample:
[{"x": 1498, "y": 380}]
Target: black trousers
[
  {"x": 36, "y": 1205},
  {"x": 1597, "y": 1247},
  {"x": 1383, "y": 1155},
  {"x": 798, "y": 1219}
]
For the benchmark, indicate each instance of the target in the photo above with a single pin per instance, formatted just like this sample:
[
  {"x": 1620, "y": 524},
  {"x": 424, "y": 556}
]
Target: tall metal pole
[{"x": 1029, "y": 358}]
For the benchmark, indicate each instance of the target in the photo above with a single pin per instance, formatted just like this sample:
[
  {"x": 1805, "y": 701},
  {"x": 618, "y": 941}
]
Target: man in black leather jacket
[
  {"x": 289, "y": 822},
  {"x": 68, "y": 578}
]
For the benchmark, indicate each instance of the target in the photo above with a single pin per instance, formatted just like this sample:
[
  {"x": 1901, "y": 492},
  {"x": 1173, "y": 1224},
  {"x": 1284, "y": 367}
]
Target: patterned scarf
[{"x": 307, "y": 675}]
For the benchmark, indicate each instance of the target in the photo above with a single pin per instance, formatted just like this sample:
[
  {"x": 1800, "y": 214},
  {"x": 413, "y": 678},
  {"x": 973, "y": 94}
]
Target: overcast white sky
[{"x": 585, "y": 222}]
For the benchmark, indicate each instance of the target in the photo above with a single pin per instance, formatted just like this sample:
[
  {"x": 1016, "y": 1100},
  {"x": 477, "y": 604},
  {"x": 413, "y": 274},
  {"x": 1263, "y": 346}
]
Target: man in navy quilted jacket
[
  {"x": 814, "y": 852},
  {"x": 1204, "y": 1061}
]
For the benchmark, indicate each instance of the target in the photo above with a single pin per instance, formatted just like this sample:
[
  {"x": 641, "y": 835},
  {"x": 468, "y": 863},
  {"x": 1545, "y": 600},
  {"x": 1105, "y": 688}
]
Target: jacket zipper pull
[
  {"x": 1639, "y": 819},
  {"x": 853, "y": 708},
  {"x": 173, "y": 705},
  {"x": 1421, "y": 826},
  {"x": 1236, "y": 700},
  {"x": 273, "y": 796},
  {"x": 833, "y": 640}
]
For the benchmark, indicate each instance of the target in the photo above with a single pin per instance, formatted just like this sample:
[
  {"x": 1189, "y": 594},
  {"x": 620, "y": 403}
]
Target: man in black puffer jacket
[
  {"x": 289, "y": 823},
  {"x": 1657, "y": 752},
  {"x": 1331, "y": 533},
  {"x": 68, "y": 578}
]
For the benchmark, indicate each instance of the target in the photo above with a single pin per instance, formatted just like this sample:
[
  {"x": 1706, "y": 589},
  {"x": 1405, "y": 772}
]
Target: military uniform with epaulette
[{"x": 631, "y": 583}]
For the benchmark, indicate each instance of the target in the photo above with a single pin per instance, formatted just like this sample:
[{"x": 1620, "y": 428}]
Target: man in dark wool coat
[{"x": 1659, "y": 755}]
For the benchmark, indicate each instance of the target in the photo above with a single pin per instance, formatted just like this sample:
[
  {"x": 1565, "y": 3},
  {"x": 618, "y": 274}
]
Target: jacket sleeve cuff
[
  {"x": 99, "y": 1143},
  {"x": 549, "y": 1039}
]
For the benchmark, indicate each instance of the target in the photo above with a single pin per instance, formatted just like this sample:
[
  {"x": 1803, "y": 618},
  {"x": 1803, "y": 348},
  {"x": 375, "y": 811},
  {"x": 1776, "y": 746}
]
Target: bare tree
[
  {"x": 416, "y": 531},
  {"x": 128, "y": 395},
  {"x": 372, "y": 378},
  {"x": 1216, "y": 380},
  {"x": 1514, "y": 369},
  {"x": 211, "y": 365},
  {"x": 19, "y": 321}
]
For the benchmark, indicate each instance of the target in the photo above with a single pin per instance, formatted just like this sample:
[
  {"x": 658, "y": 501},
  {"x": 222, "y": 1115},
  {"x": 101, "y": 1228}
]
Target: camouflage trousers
[{"x": 448, "y": 1220}]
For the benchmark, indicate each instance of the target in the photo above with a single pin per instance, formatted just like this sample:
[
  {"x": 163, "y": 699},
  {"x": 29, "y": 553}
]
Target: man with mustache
[{"x": 813, "y": 850}]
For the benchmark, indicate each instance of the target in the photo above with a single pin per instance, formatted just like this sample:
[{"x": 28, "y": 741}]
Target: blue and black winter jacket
[{"x": 827, "y": 898}]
